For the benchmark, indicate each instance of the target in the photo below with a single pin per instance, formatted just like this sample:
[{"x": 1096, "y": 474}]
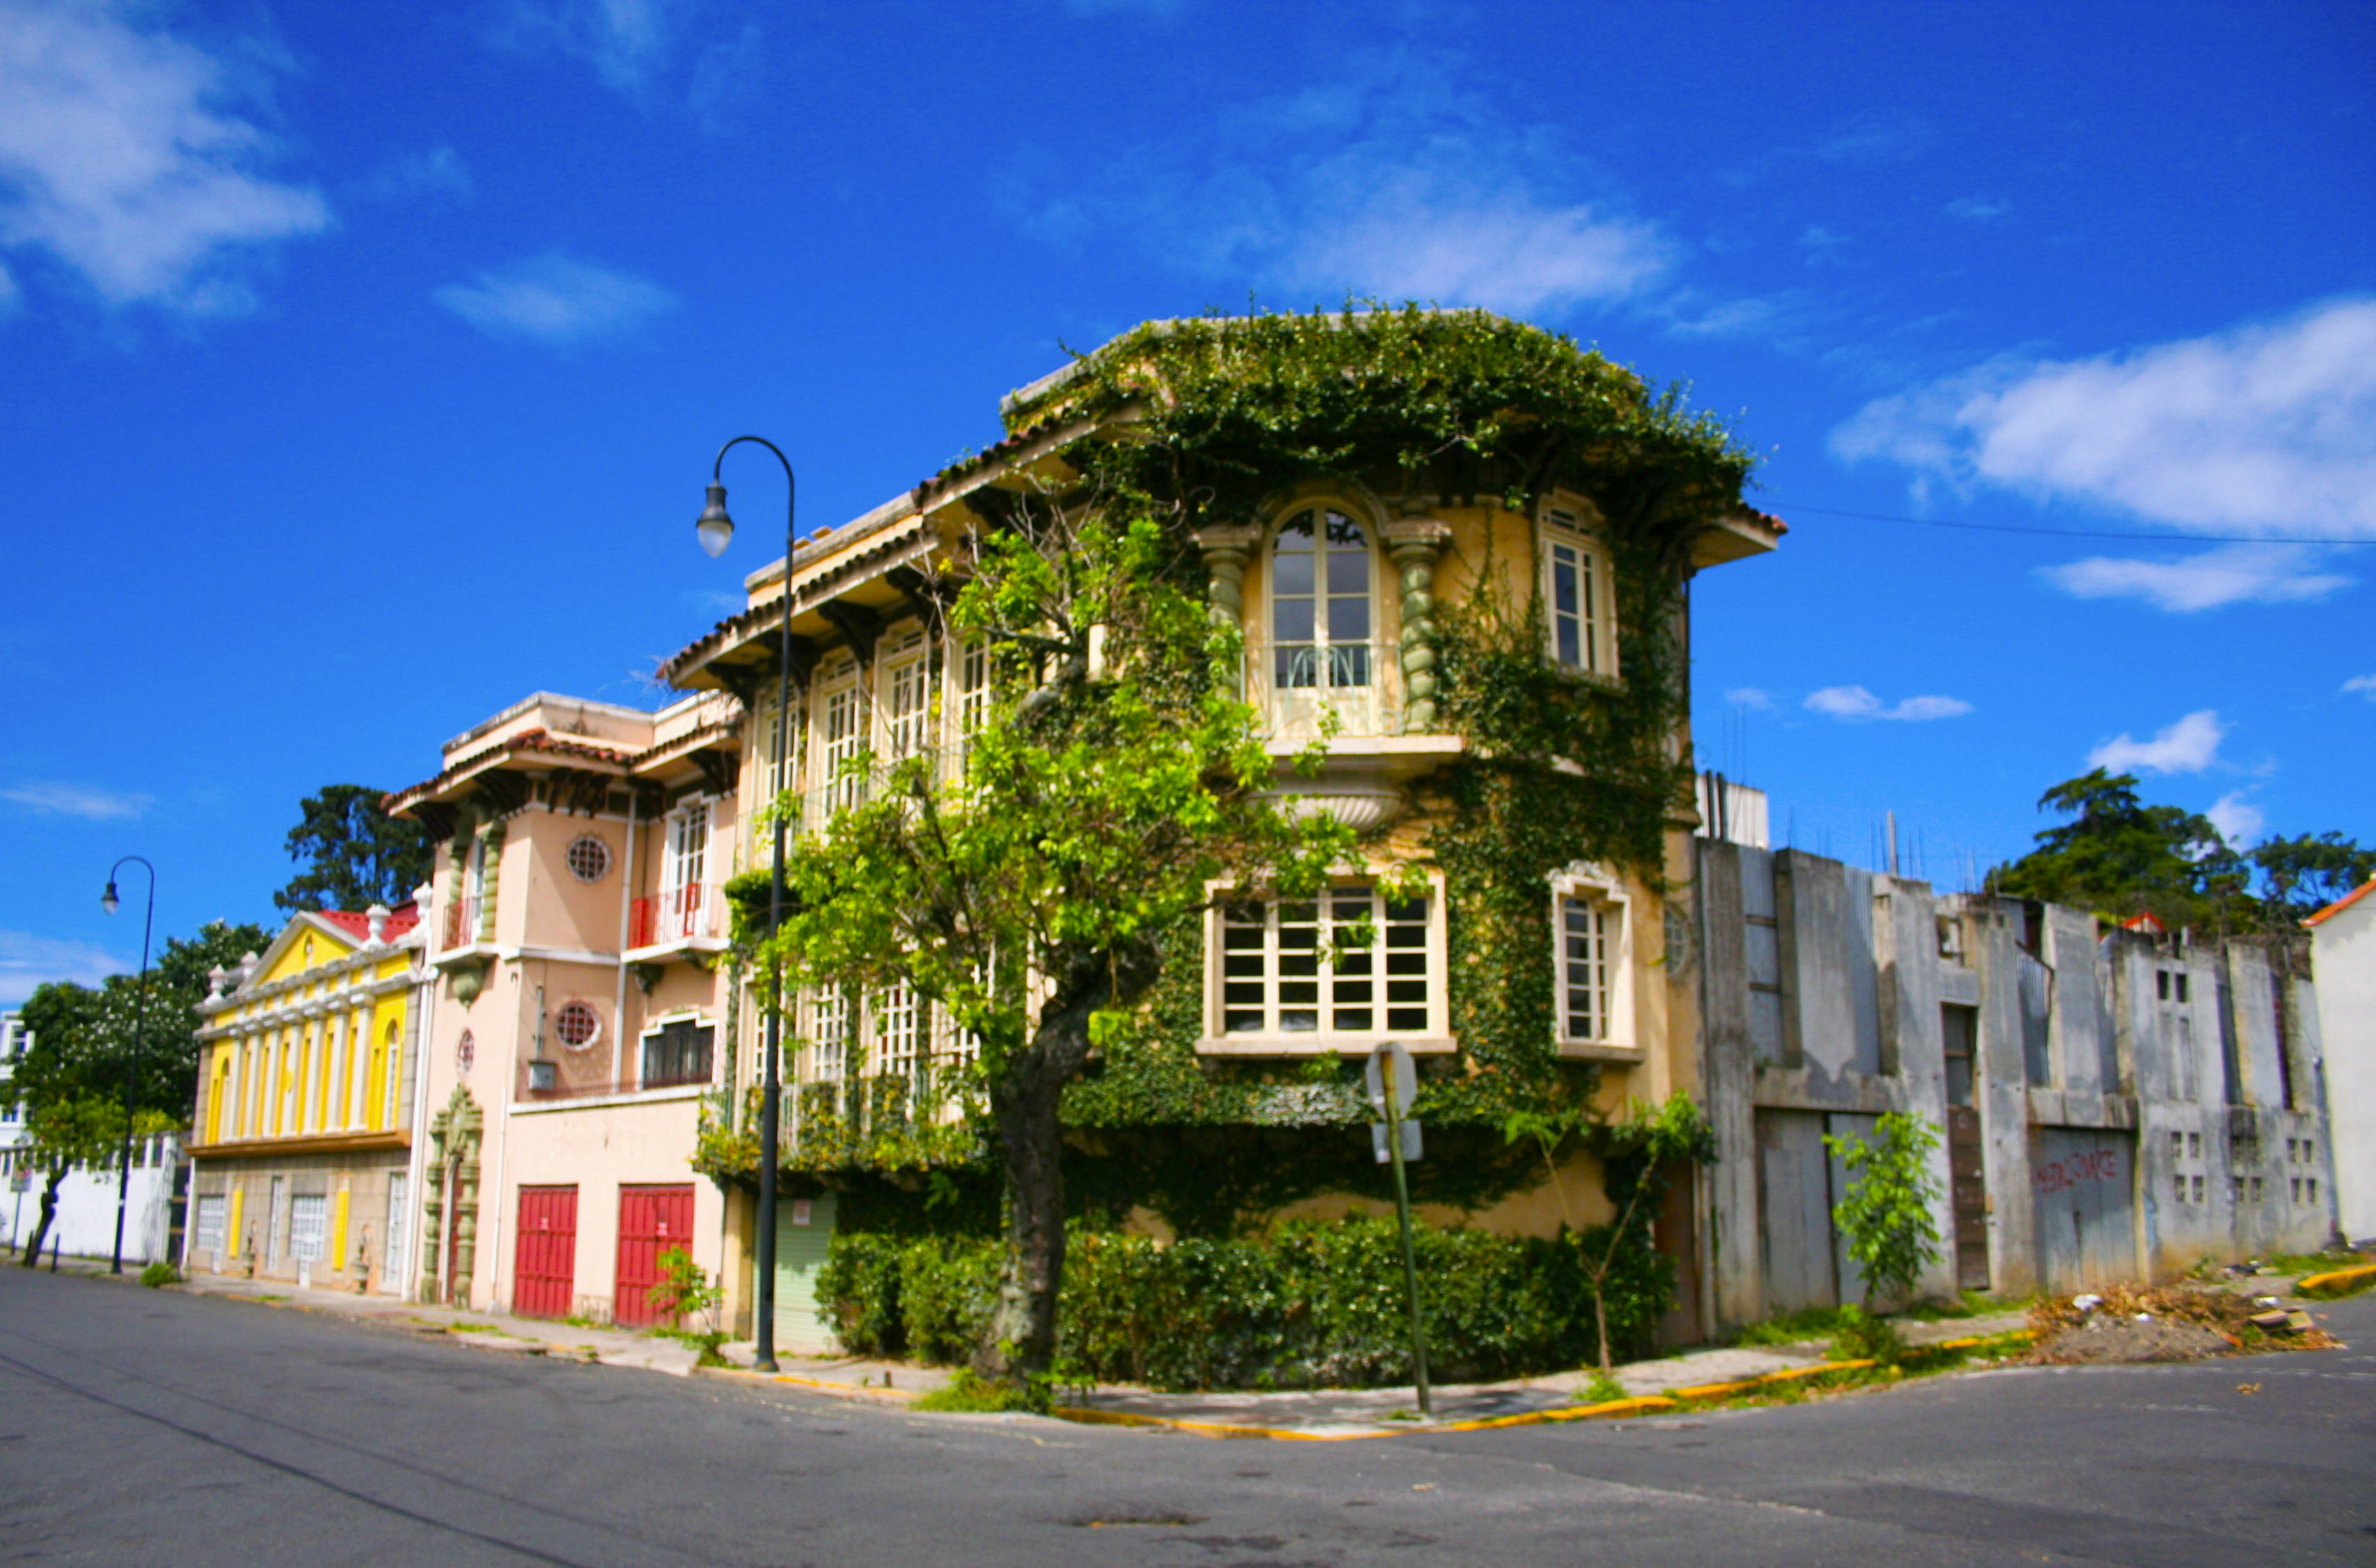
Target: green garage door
[{"x": 803, "y": 1228}]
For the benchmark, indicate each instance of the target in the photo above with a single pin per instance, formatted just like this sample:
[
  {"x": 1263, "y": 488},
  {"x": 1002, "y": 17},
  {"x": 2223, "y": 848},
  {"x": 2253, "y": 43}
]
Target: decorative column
[
  {"x": 1413, "y": 544},
  {"x": 1227, "y": 547}
]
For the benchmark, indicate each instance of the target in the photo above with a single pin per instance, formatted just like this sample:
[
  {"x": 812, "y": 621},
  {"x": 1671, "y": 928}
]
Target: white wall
[
  {"x": 2345, "y": 958},
  {"x": 86, "y": 1222}
]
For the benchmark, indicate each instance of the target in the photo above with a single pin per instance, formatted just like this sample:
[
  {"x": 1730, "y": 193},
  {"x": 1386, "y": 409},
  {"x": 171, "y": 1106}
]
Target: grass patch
[
  {"x": 1793, "y": 1329},
  {"x": 472, "y": 1328},
  {"x": 966, "y": 1394},
  {"x": 580, "y": 1320},
  {"x": 1600, "y": 1389},
  {"x": 1917, "y": 1362},
  {"x": 707, "y": 1344},
  {"x": 159, "y": 1275}
]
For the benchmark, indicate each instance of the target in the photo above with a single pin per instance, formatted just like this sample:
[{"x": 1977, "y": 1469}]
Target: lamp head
[
  {"x": 108, "y": 900},
  {"x": 714, "y": 527}
]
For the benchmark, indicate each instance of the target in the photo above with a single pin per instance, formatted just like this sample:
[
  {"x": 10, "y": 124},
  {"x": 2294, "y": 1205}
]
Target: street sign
[
  {"x": 22, "y": 1181},
  {"x": 1406, "y": 1077},
  {"x": 1378, "y": 1135}
]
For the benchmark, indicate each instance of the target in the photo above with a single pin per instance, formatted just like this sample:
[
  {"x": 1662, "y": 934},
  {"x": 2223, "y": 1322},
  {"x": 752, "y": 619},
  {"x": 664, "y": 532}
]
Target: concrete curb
[
  {"x": 818, "y": 1385},
  {"x": 2335, "y": 1276},
  {"x": 1613, "y": 1409}
]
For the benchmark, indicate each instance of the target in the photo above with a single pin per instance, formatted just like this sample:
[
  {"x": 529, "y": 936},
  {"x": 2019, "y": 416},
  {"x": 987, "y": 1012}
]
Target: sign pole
[{"x": 1402, "y": 1215}]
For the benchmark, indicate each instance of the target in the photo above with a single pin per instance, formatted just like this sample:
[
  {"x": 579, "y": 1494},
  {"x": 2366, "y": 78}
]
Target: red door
[
  {"x": 545, "y": 1280},
  {"x": 651, "y": 1220}
]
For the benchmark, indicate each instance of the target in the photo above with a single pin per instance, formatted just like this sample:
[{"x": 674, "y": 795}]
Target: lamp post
[
  {"x": 714, "y": 528},
  {"x": 109, "y": 902}
]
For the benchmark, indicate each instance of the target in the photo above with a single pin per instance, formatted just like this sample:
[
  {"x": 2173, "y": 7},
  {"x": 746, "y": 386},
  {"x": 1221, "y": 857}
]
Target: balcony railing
[
  {"x": 1294, "y": 683},
  {"x": 462, "y": 923},
  {"x": 690, "y": 914}
]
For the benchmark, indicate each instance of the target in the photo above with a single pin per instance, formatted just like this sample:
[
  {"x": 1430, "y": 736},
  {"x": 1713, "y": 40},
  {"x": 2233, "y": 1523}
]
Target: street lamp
[
  {"x": 111, "y": 903},
  {"x": 714, "y": 528}
]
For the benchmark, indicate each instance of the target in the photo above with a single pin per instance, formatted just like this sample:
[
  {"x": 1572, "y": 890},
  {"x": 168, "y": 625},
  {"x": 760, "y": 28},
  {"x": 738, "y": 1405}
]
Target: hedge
[{"x": 1312, "y": 1304}]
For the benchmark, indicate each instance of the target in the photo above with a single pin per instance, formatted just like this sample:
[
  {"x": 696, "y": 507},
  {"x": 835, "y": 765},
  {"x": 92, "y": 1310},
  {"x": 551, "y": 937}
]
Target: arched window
[{"x": 1320, "y": 616}]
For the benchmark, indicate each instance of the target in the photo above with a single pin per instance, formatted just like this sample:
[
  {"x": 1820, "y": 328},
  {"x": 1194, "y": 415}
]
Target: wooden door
[
  {"x": 1968, "y": 1172},
  {"x": 544, "y": 1274},
  {"x": 651, "y": 1220}
]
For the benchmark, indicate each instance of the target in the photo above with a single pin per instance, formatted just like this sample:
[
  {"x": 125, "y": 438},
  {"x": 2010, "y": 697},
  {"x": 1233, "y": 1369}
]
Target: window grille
[
  {"x": 688, "y": 851},
  {"x": 677, "y": 1052},
  {"x": 897, "y": 1030},
  {"x": 1320, "y": 602},
  {"x": 306, "y": 1212},
  {"x": 588, "y": 858},
  {"x": 393, "y": 1263},
  {"x": 208, "y": 1236},
  {"x": 973, "y": 685},
  {"x": 844, "y": 736},
  {"x": 1277, "y": 976},
  {"x": 577, "y": 1025},
  {"x": 903, "y": 710},
  {"x": 1587, "y": 934},
  {"x": 1571, "y": 595},
  {"x": 828, "y": 1034}
]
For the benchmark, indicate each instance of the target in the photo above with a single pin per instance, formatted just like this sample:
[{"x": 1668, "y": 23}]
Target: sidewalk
[{"x": 1336, "y": 1413}]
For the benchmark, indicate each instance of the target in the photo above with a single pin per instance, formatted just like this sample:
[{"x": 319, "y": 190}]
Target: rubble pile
[{"x": 2129, "y": 1323}]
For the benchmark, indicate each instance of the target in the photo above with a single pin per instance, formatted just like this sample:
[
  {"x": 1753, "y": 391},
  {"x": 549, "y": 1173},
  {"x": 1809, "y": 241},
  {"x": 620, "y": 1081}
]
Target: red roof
[
  {"x": 2343, "y": 903},
  {"x": 401, "y": 918}
]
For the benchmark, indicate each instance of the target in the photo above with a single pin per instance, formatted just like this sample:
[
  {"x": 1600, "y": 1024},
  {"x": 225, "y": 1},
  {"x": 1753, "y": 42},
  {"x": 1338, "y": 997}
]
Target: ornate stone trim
[{"x": 1413, "y": 544}]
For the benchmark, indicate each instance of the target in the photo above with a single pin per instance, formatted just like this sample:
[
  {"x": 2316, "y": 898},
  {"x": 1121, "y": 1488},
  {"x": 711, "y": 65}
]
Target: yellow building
[{"x": 302, "y": 1145}]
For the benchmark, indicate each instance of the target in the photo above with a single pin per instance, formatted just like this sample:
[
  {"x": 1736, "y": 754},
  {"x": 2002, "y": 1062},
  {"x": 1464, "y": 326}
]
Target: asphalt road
[{"x": 140, "y": 1427}]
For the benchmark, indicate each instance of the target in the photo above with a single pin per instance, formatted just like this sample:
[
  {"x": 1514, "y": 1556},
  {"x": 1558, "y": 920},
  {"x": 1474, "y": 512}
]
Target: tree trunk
[
  {"x": 49, "y": 1213},
  {"x": 1025, "y": 1103}
]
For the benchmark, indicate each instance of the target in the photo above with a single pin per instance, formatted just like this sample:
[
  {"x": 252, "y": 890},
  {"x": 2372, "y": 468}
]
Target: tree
[
  {"x": 355, "y": 854},
  {"x": 2123, "y": 858},
  {"x": 1635, "y": 1153},
  {"x": 1887, "y": 1214},
  {"x": 70, "y": 1085},
  {"x": 1114, "y": 778}
]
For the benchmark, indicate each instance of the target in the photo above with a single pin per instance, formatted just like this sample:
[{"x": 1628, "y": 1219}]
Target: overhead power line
[{"x": 2069, "y": 533}]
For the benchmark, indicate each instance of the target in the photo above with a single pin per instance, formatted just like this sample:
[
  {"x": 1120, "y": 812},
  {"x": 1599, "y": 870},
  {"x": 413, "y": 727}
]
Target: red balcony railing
[
  {"x": 462, "y": 923},
  {"x": 678, "y": 915}
]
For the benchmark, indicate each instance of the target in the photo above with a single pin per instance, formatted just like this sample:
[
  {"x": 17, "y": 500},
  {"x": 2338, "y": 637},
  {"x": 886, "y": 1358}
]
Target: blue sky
[{"x": 360, "y": 366}]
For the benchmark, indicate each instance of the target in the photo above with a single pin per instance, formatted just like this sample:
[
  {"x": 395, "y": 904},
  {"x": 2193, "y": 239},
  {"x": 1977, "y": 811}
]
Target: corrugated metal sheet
[{"x": 801, "y": 1324}]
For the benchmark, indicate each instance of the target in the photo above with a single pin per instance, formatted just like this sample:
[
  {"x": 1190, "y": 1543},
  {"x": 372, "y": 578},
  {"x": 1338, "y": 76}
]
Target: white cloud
[
  {"x": 2238, "y": 819},
  {"x": 437, "y": 171},
  {"x": 1755, "y": 699},
  {"x": 2187, "y": 746},
  {"x": 26, "y": 961},
  {"x": 2233, "y": 573},
  {"x": 131, "y": 157},
  {"x": 1394, "y": 179},
  {"x": 1978, "y": 209},
  {"x": 2364, "y": 685},
  {"x": 628, "y": 43},
  {"x": 556, "y": 299},
  {"x": 76, "y": 799},
  {"x": 2263, "y": 429},
  {"x": 1855, "y": 704}
]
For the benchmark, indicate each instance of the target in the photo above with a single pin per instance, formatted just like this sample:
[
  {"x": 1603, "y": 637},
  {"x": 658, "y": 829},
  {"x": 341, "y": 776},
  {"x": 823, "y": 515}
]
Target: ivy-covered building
[{"x": 1459, "y": 551}]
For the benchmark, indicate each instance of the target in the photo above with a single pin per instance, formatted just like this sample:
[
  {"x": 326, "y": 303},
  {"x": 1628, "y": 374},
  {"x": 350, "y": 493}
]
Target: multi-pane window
[
  {"x": 677, "y": 1052},
  {"x": 841, "y": 737},
  {"x": 1278, "y": 977},
  {"x": 688, "y": 845},
  {"x": 898, "y": 1031},
  {"x": 209, "y": 1225},
  {"x": 828, "y": 1034},
  {"x": 307, "y": 1213},
  {"x": 903, "y": 703},
  {"x": 1587, "y": 936},
  {"x": 1571, "y": 595},
  {"x": 1320, "y": 602}
]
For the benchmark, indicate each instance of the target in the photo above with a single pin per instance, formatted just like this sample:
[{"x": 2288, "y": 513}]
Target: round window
[
  {"x": 590, "y": 858},
  {"x": 466, "y": 1050},
  {"x": 577, "y": 1024}
]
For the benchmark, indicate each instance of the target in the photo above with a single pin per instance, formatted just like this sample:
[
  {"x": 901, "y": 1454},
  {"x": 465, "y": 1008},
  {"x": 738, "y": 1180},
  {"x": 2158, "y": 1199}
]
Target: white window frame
[
  {"x": 840, "y": 734},
  {"x": 1567, "y": 528},
  {"x": 894, "y": 1018},
  {"x": 1597, "y": 887},
  {"x": 1362, "y": 707},
  {"x": 825, "y": 1033},
  {"x": 1437, "y": 1038},
  {"x": 969, "y": 672},
  {"x": 309, "y": 1226},
  {"x": 904, "y": 700}
]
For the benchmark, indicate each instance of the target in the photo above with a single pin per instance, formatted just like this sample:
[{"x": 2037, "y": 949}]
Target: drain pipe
[{"x": 627, "y": 880}]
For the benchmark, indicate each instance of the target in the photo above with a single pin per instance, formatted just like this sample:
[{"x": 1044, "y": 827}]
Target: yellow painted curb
[
  {"x": 1613, "y": 1409},
  {"x": 2335, "y": 1276}
]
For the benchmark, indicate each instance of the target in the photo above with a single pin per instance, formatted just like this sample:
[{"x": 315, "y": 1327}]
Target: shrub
[
  {"x": 684, "y": 1285},
  {"x": 1313, "y": 1303},
  {"x": 159, "y": 1274},
  {"x": 1888, "y": 1215}
]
